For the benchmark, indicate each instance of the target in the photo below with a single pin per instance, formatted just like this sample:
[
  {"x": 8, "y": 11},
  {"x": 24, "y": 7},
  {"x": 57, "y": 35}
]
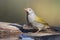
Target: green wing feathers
[{"x": 40, "y": 20}]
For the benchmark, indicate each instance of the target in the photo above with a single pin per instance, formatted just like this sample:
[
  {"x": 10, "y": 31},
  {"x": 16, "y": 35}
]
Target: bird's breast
[{"x": 31, "y": 18}]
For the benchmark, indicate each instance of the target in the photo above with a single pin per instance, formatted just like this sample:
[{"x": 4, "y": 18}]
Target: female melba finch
[{"x": 35, "y": 20}]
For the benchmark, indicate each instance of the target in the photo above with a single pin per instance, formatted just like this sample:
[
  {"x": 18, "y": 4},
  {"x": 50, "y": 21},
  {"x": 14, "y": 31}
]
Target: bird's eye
[{"x": 29, "y": 10}]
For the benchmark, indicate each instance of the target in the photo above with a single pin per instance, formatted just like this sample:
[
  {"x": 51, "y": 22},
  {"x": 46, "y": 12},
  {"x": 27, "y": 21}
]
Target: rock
[
  {"x": 26, "y": 29},
  {"x": 8, "y": 30},
  {"x": 10, "y": 38}
]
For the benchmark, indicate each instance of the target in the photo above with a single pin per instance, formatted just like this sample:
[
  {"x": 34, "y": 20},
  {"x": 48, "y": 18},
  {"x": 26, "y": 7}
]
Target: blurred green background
[{"x": 13, "y": 10}]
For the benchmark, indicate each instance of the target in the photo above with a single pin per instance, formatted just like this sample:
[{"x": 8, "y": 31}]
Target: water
[
  {"x": 27, "y": 39},
  {"x": 53, "y": 37}
]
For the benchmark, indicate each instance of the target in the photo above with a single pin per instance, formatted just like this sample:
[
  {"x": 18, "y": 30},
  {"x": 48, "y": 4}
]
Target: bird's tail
[{"x": 47, "y": 26}]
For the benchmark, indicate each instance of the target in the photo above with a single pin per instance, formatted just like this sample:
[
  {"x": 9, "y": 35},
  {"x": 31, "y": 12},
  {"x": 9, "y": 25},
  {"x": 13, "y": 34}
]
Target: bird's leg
[{"x": 38, "y": 31}]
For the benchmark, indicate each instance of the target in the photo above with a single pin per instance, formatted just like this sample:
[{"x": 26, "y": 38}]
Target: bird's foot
[{"x": 37, "y": 32}]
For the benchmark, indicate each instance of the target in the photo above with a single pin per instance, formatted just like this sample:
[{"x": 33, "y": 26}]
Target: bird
[{"x": 36, "y": 21}]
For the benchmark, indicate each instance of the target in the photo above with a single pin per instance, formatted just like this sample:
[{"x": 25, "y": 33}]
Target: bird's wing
[{"x": 40, "y": 20}]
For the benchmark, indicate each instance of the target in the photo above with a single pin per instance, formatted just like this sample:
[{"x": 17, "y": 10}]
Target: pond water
[{"x": 54, "y": 37}]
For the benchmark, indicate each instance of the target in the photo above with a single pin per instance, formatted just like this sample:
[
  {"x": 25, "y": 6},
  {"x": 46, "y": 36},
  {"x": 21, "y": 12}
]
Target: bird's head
[{"x": 29, "y": 10}]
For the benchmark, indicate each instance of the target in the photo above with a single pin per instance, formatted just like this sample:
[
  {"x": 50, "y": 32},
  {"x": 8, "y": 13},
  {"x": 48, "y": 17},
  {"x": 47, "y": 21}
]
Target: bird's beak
[{"x": 26, "y": 11}]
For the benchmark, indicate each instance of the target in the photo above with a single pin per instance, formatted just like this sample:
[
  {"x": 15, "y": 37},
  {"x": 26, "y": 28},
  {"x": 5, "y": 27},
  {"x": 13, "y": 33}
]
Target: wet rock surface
[{"x": 7, "y": 30}]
